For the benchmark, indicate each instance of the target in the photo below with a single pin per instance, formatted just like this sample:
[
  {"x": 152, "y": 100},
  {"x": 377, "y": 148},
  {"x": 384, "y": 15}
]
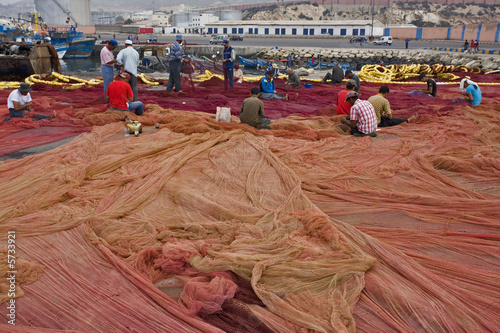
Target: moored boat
[{"x": 78, "y": 46}]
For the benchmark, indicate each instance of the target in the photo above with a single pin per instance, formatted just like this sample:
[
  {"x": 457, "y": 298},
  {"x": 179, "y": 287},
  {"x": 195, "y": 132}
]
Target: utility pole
[{"x": 373, "y": 5}]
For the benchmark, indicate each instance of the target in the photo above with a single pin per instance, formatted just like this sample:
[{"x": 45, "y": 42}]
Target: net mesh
[{"x": 220, "y": 227}]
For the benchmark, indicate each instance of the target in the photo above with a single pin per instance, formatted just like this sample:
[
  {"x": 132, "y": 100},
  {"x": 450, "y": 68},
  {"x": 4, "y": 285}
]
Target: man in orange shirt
[
  {"x": 121, "y": 97},
  {"x": 343, "y": 107}
]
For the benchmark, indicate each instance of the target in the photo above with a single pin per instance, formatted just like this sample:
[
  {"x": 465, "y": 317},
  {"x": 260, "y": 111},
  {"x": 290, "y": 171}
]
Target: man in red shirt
[
  {"x": 363, "y": 120},
  {"x": 343, "y": 107},
  {"x": 121, "y": 97}
]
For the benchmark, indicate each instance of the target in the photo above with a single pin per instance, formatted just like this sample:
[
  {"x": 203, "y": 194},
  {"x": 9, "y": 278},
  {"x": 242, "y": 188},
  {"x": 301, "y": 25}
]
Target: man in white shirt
[
  {"x": 107, "y": 63},
  {"x": 20, "y": 104},
  {"x": 128, "y": 60}
]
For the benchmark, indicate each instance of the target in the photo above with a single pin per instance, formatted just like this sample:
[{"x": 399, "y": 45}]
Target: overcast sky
[{"x": 7, "y": 2}]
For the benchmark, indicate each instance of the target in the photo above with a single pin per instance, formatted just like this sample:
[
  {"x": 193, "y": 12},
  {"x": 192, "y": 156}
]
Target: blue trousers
[
  {"x": 175, "y": 75},
  {"x": 228, "y": 75},
  {"x": 20, "y": 113},
  {"x": 107, "y": 78},
  {"x": 137, "y": 107}
]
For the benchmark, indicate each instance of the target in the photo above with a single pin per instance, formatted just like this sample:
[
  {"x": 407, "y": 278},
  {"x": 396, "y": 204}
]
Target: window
[
  {"x": 250, "y": 31},
  {"x": 240, "y": 30},
  {"x": 311, "y": 32},
  {"x": 330, "y": 31},
  {"x": 234, "y": 30},
  {"x": 343, "y": 32},
  {"x": 283, "y": 31},
  {"x": 355, "y": 32},
  {"x": 294, "y": 31},
  {"x": 266, "y": 31},
  {"x": 209, "y": 30},
  {"x": 362, "y": 32},
  {"x": 277, "y": 31},
  {"x": 224, "y": 30},
  {"x": 305, "y": 32},
  {"x": 216, "y": 30},
  {"x": 256, "y": 31}
]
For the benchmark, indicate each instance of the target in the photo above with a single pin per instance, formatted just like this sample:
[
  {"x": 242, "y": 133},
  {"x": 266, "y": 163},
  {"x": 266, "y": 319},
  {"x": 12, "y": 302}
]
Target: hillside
[{"x": 420, "y": 14}]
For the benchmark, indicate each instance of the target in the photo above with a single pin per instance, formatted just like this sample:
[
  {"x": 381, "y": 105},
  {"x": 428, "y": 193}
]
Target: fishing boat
[
  {"x": 78, "y": 46},
  {"x": 23, "y": 60},
  {"x": 252, "y": 63}
]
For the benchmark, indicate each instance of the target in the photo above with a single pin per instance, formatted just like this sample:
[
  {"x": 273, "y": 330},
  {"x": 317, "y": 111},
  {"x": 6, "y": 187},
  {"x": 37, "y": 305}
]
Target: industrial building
[{"x": 342, "y": 28}]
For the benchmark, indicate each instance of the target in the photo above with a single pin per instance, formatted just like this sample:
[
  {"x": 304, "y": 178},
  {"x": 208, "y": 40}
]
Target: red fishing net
[{"x": 206, "y": 226}]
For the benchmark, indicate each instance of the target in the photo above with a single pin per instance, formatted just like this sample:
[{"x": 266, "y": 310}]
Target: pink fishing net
[{"x": 206, "y": 226}]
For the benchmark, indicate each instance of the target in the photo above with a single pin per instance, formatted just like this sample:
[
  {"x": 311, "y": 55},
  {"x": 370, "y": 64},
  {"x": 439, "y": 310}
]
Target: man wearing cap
[
  {"x": 431, "y": 85},
  {"x": 362, "y": 120},
  {"x": 175, "y": 61},
  {"x": 267, "y": 89},
  {"x": 20, "y": 104},
  {"x": 349, "y": 74},
  {"x": 128, "y": 60},
  {"x": 229, "y": 56},
  {"x": 383, "y": 109},
  {"x": 343, "y": 107},
  {"x": 120, "y": 95},
  {"x": 107, "y": 63},
  {"x": 252, "y": 111}
]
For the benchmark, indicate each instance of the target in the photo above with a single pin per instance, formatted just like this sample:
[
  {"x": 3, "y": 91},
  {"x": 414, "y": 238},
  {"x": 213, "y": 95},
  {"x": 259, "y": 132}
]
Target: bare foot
[
  {"x": 286, "y": 97},
  {"x": 54, "y": 114},
  {"x": 413, "y": 118},
  {"x": 296, "y": 95}
]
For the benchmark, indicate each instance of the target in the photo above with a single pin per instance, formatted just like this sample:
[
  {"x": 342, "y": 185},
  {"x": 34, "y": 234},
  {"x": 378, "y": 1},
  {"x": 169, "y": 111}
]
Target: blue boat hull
[{"x": 80, "y": 48}]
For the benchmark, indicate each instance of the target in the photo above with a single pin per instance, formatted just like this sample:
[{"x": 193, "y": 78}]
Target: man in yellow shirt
[{"x": 383, "y": 109}]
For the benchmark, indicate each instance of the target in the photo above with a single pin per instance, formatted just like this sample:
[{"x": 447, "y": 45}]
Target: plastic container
[{"x": 308, "y": 85}]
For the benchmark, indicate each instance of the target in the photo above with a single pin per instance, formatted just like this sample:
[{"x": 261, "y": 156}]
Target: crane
[{"x": 65, "y": 11}]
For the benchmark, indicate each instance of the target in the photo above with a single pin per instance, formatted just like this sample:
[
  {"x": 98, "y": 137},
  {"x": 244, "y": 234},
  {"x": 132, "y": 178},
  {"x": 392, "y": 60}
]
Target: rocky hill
[{"x": 419, "y": 14}]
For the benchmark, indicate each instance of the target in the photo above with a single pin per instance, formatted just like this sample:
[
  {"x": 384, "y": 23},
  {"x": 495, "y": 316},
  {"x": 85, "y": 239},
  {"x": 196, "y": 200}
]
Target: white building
[
  {"x": 142, "y": 16},
  {"x": 160, "y": 18},
  {"x": 203, "y": 19},
  {"x": 344, "y": 28}
]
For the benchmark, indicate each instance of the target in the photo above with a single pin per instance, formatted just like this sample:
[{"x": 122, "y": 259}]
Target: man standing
[
  {"x": 335, "y": 76},
  {"x": 120, "y": 95},
  {"x": 228, "y": 62},
  {"x": 175, "y": 62},
  {"x": 343, "y": 107},
  {"x": 107, "y": 63},
  {"x": 383, "y": 109},
  {"x": 20, "y": 104},
  {"x": 128, "y": 60},
  {"x": 267, "y": 89},
  {"x": 293, "y": 78},
  {"x": 349, "y": 74},
  {"x": 252, "y": 111},
  {"x": 362, "y": 120},
  {"x": 431, "y": 85},
  {"x": 406, "y": 42}
]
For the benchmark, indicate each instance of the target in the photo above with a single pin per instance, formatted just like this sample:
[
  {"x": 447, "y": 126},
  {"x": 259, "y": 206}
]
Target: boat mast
[{"x": 65, "y": 11}]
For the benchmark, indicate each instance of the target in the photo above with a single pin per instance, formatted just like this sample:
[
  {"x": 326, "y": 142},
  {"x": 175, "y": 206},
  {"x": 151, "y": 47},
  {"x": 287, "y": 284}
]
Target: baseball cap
[
  {"x": 178, "y": 37},
  {"x": 24, "y": 87},
  {"x": 113, "y": 42},
  {"x": 128, "y": 42},
  {"x": 124, "y": 76},
  {"x": 351, "y": 94},
  {"x": 347, "y": 72},
  {"x": 225, "y": 41}
]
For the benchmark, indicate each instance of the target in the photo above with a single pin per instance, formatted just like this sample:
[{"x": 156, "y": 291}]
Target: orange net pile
[{"x": 218, "y": 227}]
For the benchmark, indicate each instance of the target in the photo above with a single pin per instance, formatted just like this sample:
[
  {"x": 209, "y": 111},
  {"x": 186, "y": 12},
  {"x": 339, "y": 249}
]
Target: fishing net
[{"x": 206, "y": 226}]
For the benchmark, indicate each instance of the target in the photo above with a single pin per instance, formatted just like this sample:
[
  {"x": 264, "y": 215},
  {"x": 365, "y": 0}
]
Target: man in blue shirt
[
  {"x": 472, "y": 92},
  {"x": 267, "y": 89},
  {"x": 228, "y": 62},
  {"x": 175, "y": 62}
]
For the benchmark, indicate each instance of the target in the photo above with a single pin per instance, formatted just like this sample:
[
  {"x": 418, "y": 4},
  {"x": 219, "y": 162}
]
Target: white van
[
  {"x": 219, "y": 39},
  {"x": 386, "y": 40}
]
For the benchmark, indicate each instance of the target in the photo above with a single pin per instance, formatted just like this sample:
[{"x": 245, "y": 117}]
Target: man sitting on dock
[
  {"x": 383, "y": 109},
  {"x": 120, "y": 95},
  {"x": 293, "y": 78},
  {"x": 20, "y": 104},
  {"x": 336, "y": 76},
  {"x": 349, "y": 74},
  {"x": 363, "y": 120},
  {"x": 267, "y": 89}
]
